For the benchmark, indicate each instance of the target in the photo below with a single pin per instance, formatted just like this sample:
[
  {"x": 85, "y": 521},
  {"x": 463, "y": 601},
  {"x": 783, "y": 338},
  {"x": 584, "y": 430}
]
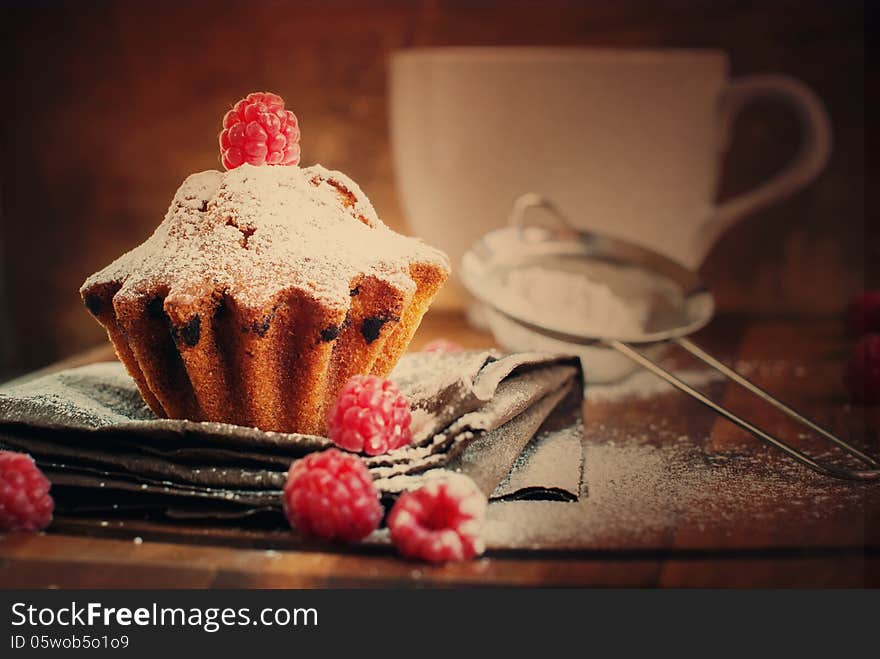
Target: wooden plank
[
  {"x": 73, "y": 561},
  {"x": 45, "y": 561}
]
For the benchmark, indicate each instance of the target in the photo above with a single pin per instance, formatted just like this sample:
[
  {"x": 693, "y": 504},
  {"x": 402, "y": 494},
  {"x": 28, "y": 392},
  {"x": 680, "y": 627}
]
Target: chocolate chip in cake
[
  {"x": 262, "y": 327},
  {"x": 330, "y": 333},
  {"x": 222, "y": 307},
  {"x": 156, "y": 307},
  {"x": 93, "y": 303},
  {"x": 355, "y": 291},
  {"x": 189, "y": 334},
  {"x": 372, "y": 325}
]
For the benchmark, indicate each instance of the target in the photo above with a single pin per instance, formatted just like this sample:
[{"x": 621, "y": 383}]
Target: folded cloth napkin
[{"x": 512, "y": 423}]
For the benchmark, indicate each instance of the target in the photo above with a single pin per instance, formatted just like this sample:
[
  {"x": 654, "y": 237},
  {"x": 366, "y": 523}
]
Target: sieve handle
[{"x": 820, "y": 467}]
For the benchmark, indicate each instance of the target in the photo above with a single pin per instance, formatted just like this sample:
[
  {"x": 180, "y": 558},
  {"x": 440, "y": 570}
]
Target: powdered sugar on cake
[{"x": 253, "y": 231}]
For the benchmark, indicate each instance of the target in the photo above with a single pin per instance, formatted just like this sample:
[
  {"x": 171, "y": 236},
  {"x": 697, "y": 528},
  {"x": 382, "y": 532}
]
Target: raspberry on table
[
  {"x": 259, "y": 131},
  {"x": 864, "y": 313},
  {"x": 25, "y": 502},
  {"x": 370, "y": 416},
  {"x": 442, "y": 345},
  {"x": 330, "y": 495},
  {"x": 441, "y": 521},
  {"x": 863, "y": 370}
]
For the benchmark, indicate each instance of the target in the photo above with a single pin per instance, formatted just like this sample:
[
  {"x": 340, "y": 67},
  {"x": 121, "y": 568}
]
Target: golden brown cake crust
[{"x": 261, "y": 292}]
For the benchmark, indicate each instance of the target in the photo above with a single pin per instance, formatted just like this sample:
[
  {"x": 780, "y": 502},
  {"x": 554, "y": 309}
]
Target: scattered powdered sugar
[
  {"x": 426, "y": 378},
  {"x": 653, "y": 477},
  {"x": 643, "y": 384},
  {"x": 422, "y": 374},
  {"x": 540, "y": 462},
  {"x": 100, "y": 394},
  {"x": 512, "y": 396},
  {"x": 637, "y": 492},
  {"x": 253, "y": 231}
]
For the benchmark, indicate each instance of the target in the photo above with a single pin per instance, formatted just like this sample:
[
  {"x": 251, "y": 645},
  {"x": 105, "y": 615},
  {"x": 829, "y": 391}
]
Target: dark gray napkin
[{"x": 512, "y": 423}]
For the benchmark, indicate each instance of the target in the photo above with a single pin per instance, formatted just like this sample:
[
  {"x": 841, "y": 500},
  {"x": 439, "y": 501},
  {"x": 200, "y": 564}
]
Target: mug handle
[{"x": 806, "y": 165}]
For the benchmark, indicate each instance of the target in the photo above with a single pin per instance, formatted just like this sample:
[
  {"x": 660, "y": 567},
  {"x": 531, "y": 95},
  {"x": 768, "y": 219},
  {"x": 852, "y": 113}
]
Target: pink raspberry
[
  {"x": 864, "y": 313},
  {"x": 863, "y": 370},
  {"x": 370, "y": 415},
  {"x": 330, "y": 495},
  {"x": 441, "y": 521},
  {"x": 25, "y": 502},
  {"x": 442, "y": 345},
  {"x": 258, "y": 130}
]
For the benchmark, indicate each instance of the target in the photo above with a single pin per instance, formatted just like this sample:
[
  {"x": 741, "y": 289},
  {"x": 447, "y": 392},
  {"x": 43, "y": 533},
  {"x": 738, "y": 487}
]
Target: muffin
[{"x": 262, "y": 291}]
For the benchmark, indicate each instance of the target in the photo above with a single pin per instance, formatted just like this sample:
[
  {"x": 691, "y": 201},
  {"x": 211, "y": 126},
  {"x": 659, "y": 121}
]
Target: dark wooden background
[{"x": 109, "y": 105}]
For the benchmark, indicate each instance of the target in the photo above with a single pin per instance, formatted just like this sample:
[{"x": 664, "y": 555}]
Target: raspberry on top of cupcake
[
  {"x": 265, "y": 287},
  {"x": 258, "y": 130}
]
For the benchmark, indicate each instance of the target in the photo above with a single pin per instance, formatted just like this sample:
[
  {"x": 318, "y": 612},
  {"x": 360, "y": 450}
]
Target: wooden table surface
[{"x": 725, "y": 511}]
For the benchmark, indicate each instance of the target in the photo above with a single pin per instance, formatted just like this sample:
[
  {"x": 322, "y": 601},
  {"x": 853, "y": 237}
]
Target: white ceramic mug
[{"x": 626, "y": 142}]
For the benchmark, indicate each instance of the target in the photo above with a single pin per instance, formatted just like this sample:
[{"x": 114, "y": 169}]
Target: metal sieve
[{"x": 674, "y": 300}]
